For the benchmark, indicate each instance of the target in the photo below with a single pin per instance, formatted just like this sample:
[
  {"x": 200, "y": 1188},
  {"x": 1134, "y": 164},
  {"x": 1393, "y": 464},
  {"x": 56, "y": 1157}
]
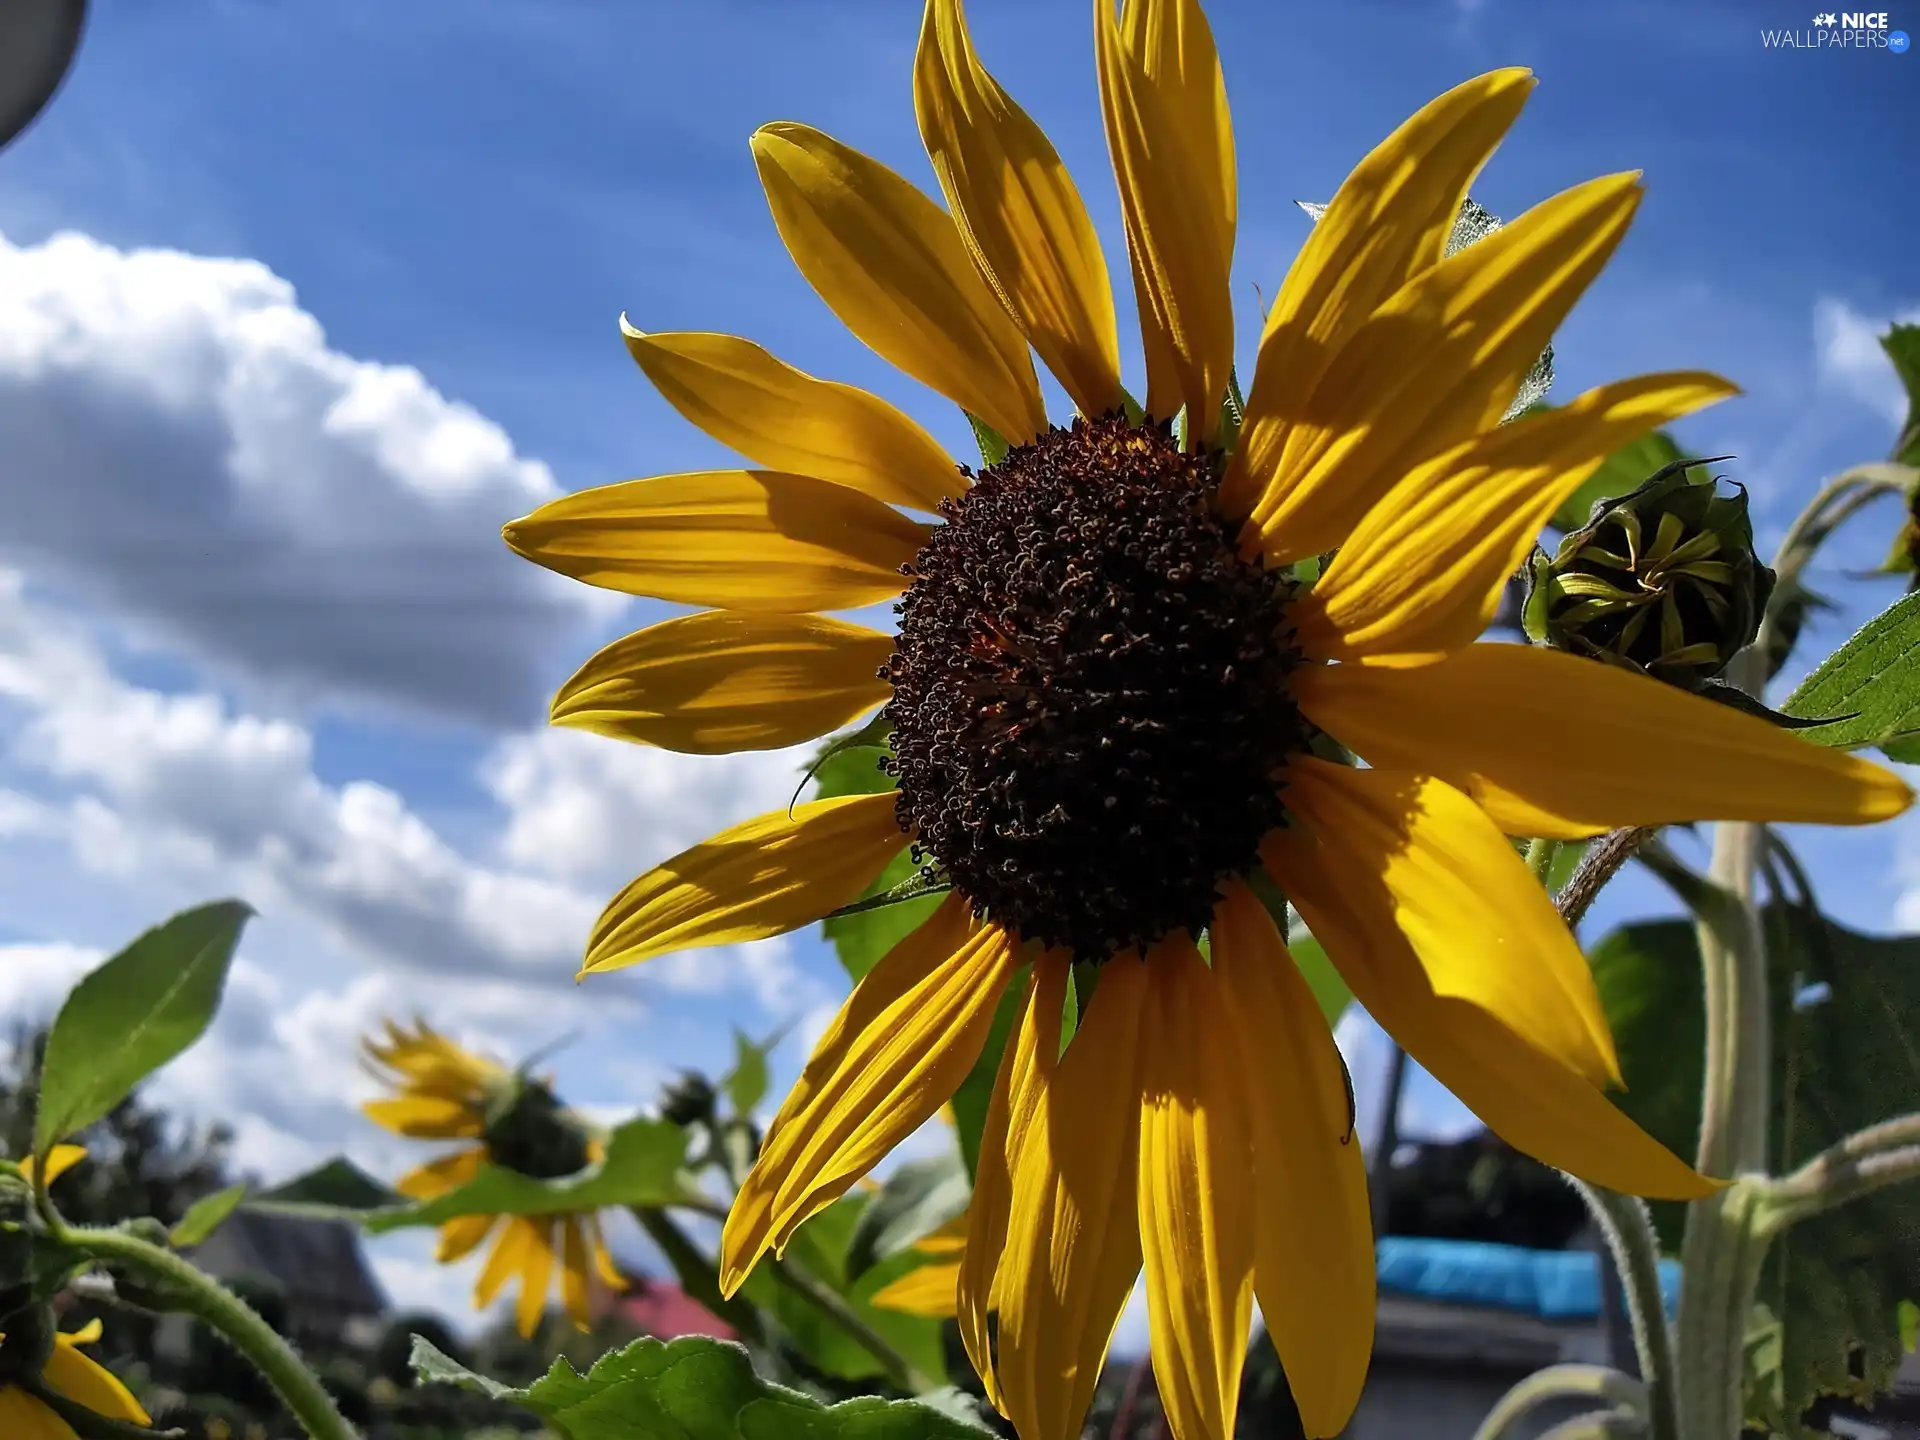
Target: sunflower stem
[
  {"x": 1541, "y": 853},
  {"x": 200, "y": 1295},
  {"x": 1601, "y": 863},
  {"x": 900, "y": 1371},
  {"x": 1560, "y": 1382},
  {"x": 1628, "y": 1229}
]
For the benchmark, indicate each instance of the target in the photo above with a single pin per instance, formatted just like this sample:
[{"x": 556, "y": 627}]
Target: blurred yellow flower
[
  {"x": 445, "y": 1092},
  {"x": 74, "y": 1376},
  {"x": 930, "y": 1289},
  {"x": 1110, "y": 694},
  {"x": 60, "y": 1159}
]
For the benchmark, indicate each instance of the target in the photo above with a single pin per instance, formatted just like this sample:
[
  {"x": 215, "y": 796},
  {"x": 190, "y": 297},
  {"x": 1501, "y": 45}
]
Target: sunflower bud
[
  {"x": 689, "y": 1100},
  {"x": 1663, "y": 580},
  {"x": 1904, "y": 557},
  {"x": 530, "y": 1131}
]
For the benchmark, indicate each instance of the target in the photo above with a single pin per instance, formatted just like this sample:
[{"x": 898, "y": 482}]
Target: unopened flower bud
[
  {"x": 1663, "y": 580},
  {"x": 530, "y": 1131},
  {"x": 689, "y": 1100}
]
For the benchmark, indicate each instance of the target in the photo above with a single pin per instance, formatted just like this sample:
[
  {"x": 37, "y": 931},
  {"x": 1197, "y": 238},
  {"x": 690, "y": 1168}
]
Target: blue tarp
[{"x": 1553, "y": 1284}]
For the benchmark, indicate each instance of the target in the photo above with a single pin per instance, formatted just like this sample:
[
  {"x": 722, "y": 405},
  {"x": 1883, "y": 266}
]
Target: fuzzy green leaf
[
  {"x": 643, "y": 1166},
  {"x": 1326, "y": 983},
  {"x": 1902, "y": 344},
  {"x": 861, "y": 938},
  {"x": 205, "y": 1216},
  {"x": 132, "y": 1015},
  {"x": 1847, "y": 1056},
  {"x": 1871, "y": 683},
  {"x": 694, "y": 1388},
  {"x": 746, "y": 1083}
]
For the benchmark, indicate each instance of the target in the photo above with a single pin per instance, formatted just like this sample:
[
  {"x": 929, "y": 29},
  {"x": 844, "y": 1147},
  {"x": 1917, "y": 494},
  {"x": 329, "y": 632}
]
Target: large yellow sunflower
[
  {"x": 71, "y": 1376},
  {"x": 1112, "y": 703},
  {"x": 446, "y": 1092}
]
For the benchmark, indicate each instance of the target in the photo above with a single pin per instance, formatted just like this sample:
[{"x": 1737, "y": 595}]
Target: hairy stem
[
  {"x": 899, "y": 1369},
  {"x": 1600, "y": 864},
  {"x": 1628, "y": 1229},
  {"x": 200, "y": 1295},
  {"x": 1868, "y": 1160}
]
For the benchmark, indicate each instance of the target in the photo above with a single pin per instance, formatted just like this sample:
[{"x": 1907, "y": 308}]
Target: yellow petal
[
  {"x": 1424, "y": 572},
  {"x": 1309, "y": 1176},
  {"x": 1168, "y": 132},
  {"x": 437, "y": 1177},
  {"x": 1017, "y": 211},
  {"x": 891, "y": 265},
  {"x": 425, "y": 1117},
  {"x": 1437, "y": 363},
  {"x": 60, "y": 1159},
  {"x": 83, "y": 1380},
  {"x": 1388, "y": 222},
  {"x": 24, "y": 1418},
  {"x": 536, "y": 1269},
  {"x": 1481, "y": 1047},
  {"x": 461, "y": 1235},
  {"x": 1421, "y": 856},
  {"x": 785, "y": 419},
  {"x": 895, "y": 1054},
  {"x": 573, "y": 1272},
  {"x": 603, "y": 1265},
  {"x": 947, "y": 1239},
  {"x": 763, "y": 877},
  {"x": 1017, "y": 1091},
  {"x": 735, "y": 539},
  {"x": 1073, "y": 1232},
  {"x": 1197, "y": 1212},
  {"x": 1554, "y": 744},
  {"x": 927, "y": 1291},
  {"x": 505, "y": 1260},
  {"x": 1032, "y": 1052},
  {"x": 87, "y": 1334},
  {"x": 727, "y": 680}
]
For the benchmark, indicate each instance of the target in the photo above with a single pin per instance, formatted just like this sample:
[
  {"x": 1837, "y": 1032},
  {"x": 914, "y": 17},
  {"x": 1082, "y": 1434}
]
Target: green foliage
[
  {"x": 205, "y": 1216},
  {"x": 132, "y": 1015},
  {"x": 1902, "y": 344},
  {"x": 746, "y": 1083},
  {"x": 993, "y": 445},
  {"x": 821, "y": 1247},
  {"x": 1870, "y": 686},
  {"x": 644, "y": 1165},
  {"x": 861, "y": 939},
  {"x": 1844, "y": 1058},
  {"x": 1626, "y": 469},
  {"x": 695, "y": 1389},
  {"x": 1326, "y": 983},
  {"x": 919, "y": 1197}
]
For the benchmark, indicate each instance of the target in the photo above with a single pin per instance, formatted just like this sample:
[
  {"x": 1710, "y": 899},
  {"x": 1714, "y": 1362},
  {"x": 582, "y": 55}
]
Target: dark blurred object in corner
[
  {"x": 37, "y": 42},
  {"x": 1480, "y": 1188}
]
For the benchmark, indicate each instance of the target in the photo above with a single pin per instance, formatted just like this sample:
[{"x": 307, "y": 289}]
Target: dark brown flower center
[{"x": 1090, "y": 701}]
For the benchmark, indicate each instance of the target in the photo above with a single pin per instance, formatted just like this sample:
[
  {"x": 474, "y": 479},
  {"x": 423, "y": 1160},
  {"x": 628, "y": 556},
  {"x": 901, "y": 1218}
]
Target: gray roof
[{"x": 317, "y": 1262}]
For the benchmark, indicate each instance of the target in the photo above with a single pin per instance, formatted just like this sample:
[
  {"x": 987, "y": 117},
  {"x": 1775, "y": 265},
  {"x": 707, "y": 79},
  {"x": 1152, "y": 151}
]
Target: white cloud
[
  {"x": 185, "y": 449},
  {"x": 1850, "y": 360}
]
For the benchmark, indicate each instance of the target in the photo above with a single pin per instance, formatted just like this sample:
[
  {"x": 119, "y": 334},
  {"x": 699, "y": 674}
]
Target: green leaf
[
  {"x": 1871, "y": 684},
  {"x": 336, "y": 1190},
  {"x": 1902, "y": 344},
  {"x": 746, "y": 1083},
  {"x": 918, "y": 1198},
  {"x": 860, "y": 939},
  {"x": 132, "y": 1015},
  {"x": 993, "y": 445},
  {"x": 971, "y": 1100},
  {"x": 694, "y": 1388},
  {"x": 643, "y": 1166},
  {"x": 205, "y": 1216},
  {"x": 1845, "y": 1057},
  {"x": 820, "y": 1247}
]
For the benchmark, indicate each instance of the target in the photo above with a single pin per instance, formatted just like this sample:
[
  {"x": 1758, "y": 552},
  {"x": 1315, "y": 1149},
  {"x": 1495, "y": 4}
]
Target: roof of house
[
  {"x": 317, "y": 1262},
  {"x": 663, "y": 1309}
]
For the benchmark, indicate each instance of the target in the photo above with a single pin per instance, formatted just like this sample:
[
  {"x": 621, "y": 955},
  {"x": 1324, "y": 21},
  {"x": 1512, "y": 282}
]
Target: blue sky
[{"x": 259, "y": 635}]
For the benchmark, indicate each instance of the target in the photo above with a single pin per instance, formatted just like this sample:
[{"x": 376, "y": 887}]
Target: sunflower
[
  {"x": 71, "y": 1376},
  {"x": 1118, "y": 710},
  {"x": 448, "y": 1093}
]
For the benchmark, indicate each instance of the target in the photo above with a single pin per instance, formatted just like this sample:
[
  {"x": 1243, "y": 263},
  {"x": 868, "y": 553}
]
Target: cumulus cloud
[
  {"x": 145, "y": 783},
  {"x": 185, "y": 449},
  {"x": 1850, "y": 360}
]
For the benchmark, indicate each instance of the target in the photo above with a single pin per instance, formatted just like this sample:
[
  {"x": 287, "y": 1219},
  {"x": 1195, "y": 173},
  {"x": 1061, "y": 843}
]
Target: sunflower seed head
[{"x": 530, "y": 1131}]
